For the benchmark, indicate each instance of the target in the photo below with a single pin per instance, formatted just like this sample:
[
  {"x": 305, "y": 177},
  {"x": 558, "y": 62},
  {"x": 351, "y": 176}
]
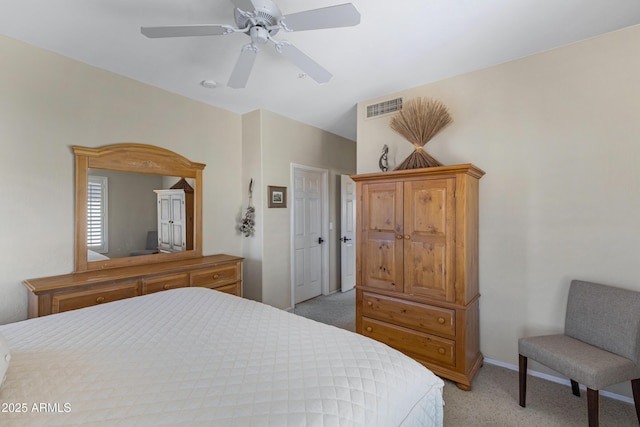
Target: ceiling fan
[{"x": 261, "y": 20}]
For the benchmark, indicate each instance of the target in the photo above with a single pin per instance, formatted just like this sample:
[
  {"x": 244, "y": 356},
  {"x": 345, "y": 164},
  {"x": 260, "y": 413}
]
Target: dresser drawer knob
[
  {"x": 369, "y": 329},
  {"x": 216, "y": 276},
  {"x": 165, "y": 286},
  {"x": 441, "y": 350},
  {"x": 441, "y": 320},
  {"x": 370, "y": 304},
  {"x": 100, "y": 300}
]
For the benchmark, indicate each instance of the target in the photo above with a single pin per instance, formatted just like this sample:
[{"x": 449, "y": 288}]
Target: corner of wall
[{"x": 252, "y": 169}]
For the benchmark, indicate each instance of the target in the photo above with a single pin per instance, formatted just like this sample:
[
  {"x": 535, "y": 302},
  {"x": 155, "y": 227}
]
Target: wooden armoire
[
  {"x": 417, "y": 266},
  {"x": 175, "y": 218}
]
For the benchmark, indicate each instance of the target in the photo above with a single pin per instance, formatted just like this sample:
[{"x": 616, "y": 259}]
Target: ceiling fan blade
[
  {"x": 186, "y": 30},
  {"x": 302, "y": 61},
  {"x": 343, "y": 15},
  {"x": 242, "y": 69}
]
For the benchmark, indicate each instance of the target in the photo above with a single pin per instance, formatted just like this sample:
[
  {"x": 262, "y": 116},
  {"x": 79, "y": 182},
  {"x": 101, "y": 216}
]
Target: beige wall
[
  {"x": 283, "y": 141},
  {"x": 49, "y": 103},
  {"x": 558, "y": 136}
]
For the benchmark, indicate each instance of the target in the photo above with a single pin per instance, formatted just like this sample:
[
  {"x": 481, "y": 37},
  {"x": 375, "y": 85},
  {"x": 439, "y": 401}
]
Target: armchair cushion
[{"x": 587, "y": 364}]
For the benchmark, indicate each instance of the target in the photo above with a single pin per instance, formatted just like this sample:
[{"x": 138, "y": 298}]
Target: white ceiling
[{"x": 398, "y": 45}]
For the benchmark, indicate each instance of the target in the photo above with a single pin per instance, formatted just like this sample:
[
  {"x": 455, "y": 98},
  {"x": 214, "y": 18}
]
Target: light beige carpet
[{"x": 493, "y": 401}]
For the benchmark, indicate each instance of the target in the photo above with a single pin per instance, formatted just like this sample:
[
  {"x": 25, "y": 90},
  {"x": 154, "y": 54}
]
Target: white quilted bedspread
[{"x": 192, "y": 356}]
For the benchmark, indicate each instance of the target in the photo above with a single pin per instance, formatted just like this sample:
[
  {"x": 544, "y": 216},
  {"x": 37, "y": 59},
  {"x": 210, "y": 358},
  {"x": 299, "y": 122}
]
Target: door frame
[
  {"x": 324, "y": 265},
  {"x": 339, "y": 245}
]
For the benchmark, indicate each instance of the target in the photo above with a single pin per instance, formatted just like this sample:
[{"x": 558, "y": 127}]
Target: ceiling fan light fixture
[{"x": 258, "y": 35}]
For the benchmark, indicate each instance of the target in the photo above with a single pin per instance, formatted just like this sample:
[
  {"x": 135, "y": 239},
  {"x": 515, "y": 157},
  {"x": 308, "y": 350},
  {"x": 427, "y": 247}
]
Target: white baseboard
[{"x": 556, "y": 379}]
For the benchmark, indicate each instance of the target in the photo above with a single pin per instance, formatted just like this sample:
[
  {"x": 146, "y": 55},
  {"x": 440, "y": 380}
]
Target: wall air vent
[{"x": 384, "y": 108}]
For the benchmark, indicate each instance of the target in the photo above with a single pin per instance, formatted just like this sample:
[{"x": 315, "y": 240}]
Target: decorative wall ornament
[
  {"x": 383, "y": 163},
  {"x": 418, "y": 121},
  {"x": 247, "y": 223}
]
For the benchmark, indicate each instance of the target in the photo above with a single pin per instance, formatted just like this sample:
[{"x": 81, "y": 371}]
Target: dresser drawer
[
  {"x": 422, "y": 317},
  {"x": 164, "y": 282},
  {"x": 65, "y": 301},
  {"x": 414, "y": 344},
  {"x": 233, "y": 289},
  {"x": 215, "y": 277}
]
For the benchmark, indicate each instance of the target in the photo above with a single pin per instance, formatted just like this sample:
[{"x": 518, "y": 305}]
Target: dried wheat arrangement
[{"x": 418, "y": 121}]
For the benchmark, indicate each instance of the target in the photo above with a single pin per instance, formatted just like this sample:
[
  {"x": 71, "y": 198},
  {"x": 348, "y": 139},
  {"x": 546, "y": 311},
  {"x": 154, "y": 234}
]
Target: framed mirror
[{"x": 136, "y": 204}]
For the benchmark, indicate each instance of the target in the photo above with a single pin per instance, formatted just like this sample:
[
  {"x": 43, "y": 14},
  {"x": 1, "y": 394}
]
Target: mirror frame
[{"x": 140, "y": 158}]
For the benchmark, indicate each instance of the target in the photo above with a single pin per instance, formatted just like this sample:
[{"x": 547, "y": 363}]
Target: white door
[
  {"x": 164, "y": 222},
  {"x": 178, "y": 230},
  {"x": 347, "y": 233},
  {"x": 308, "y": 238}
]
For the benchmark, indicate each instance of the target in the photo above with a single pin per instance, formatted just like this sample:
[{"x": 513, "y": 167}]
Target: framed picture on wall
[{"x": 277, "y": 197}]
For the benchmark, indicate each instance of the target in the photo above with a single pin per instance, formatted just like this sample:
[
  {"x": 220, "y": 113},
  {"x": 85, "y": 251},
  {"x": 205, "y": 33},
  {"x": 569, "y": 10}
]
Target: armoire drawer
[
  {"x": 413, "y": 343},
  {"x": 164, "y": 282},
  {"x": 65, "y": 301},
  {"x": 421, "y": 317},
  {"x": 215, "y": 277}
]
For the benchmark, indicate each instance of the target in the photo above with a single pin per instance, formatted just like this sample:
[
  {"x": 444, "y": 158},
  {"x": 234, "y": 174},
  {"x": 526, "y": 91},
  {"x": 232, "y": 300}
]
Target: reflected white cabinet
[{"x": 175, "y": 220}]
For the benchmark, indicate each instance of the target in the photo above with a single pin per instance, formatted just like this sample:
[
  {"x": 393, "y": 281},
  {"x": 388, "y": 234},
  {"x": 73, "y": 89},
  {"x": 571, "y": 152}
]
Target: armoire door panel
[
  {"x": 383, "y": 264},
  {"x": 427, "y": 210},
  {"x": 429, "y": 234},
  {"x": 383, "y": 207},
  {"x": 425, "y": 272},
  {"x": 381, "y": 231}
]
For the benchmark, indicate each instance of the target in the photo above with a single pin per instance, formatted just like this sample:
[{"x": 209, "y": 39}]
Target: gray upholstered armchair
[{"x": 600, "y": 345}]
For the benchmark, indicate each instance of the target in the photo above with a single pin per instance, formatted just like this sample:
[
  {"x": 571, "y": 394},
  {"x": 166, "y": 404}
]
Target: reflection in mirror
[
  {"x": 136, "y": 204},
  {"x": 128, "y": 212}
]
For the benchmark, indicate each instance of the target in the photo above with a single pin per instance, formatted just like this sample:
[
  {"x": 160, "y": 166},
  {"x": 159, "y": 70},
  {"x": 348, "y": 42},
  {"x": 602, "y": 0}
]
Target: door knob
[
  {"x": 345, "y": 239},
  {"x": 320, "y": 240}
]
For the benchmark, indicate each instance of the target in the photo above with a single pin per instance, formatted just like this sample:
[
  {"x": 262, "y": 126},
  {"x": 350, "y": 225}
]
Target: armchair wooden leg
[
  {"x": 593, "y": 406},
  {"x": 635, "y": 386},
  {"x": 523, "y": 380},
  {"x": 575, "y": 388}
]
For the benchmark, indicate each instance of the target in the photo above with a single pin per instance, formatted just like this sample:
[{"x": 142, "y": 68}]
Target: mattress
[{"x": 193, "y": 356}]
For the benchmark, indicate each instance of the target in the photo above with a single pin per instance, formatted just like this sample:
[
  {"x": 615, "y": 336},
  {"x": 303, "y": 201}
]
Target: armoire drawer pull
[
  {"x": 399, "y": 236},
  {"x": 216, "y": 276},
  {"x": 166, "y": 286},
  {"x": 370, "y": 304},
  {"x": 369, "y": 329},
  {"x": 100, "y": 300},
  {"x": 441, "y": 320},
  {"x": 441, "y": 350}
]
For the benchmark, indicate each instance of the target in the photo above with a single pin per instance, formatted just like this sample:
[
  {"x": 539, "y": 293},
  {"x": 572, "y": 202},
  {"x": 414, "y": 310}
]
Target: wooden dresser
[
  {"x": 56, "y": 294},
  {"x": 417, "y": 266}
]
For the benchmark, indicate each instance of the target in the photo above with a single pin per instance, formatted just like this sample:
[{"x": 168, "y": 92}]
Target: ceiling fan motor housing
[{"x": 266, "y": 14}]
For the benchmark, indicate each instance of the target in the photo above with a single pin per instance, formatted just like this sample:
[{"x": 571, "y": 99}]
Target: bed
[{"x": 194, "y": 356}]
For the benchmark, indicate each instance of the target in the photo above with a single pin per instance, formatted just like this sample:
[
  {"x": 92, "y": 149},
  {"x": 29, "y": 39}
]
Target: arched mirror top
[{"x": 135, "y": 177}]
